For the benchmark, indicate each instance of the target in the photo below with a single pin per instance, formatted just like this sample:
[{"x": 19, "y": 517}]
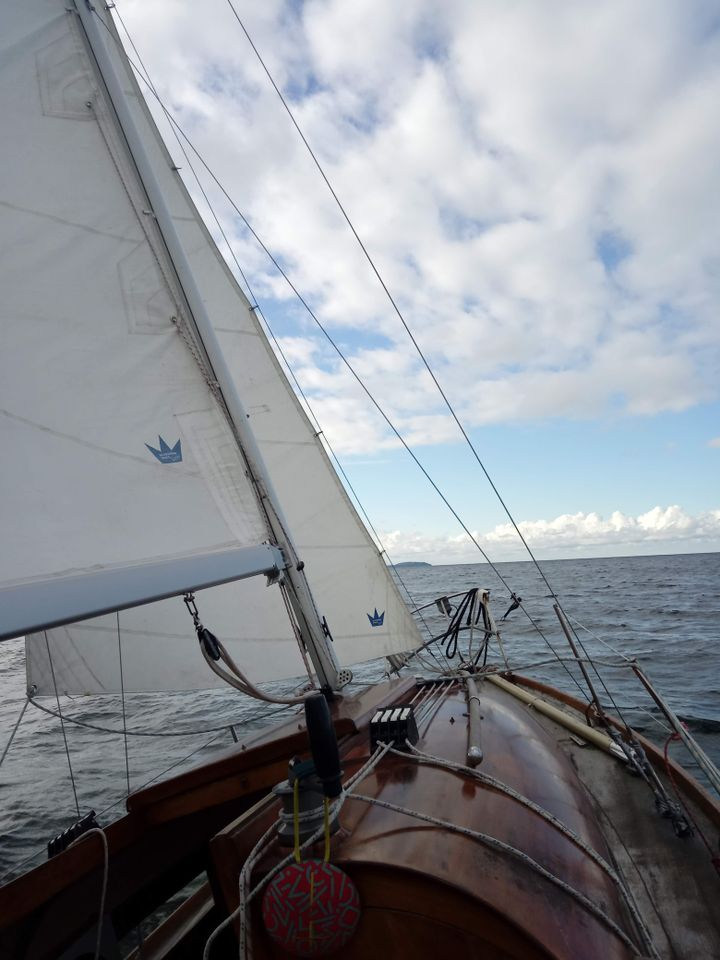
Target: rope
[
  {"x": 238, "y": 679},
  {"x": 516, "y": 668},
  {"x": 122, "y": 694},
  {"x": 254, "y": 300},
  {"x": 176, "y": 763},
  {"x": 43, "y": 850},
  {"x": 62, "y": 726},
  {"x": 502, "y": 847},
  {"x": 462, "y": 769},
  {"x": 714, "y": 856},
  {"x": 14, "y": 731},
  {"x": 426, "y": 758},
  {"x": 382, "y": 750},
  {"x": 179, "y": 131},
  {"x": 96, "y": 831},
  {"x": 597, "y": 673},
  {"x": 411, "y": 336},
  {"x": 595, "y": 636},
  {"x": 267, "y": 839},
  {"x": 144, "y": 733},
  {"x": 629, "y": 660},
  {"x": 429, "y": 715}
]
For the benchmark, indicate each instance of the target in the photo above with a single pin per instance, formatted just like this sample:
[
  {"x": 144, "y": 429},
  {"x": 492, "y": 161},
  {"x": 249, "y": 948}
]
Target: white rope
[
  {"x": 106, "y": 868},
  {"x": 501, "y": 787},
  {"x": 267, "y": 840},
  {"x": 503, "y": 847},
  {"x": 257, "y": 851},
  {"x": 595, "y": 636},
  {"x": 498, "y": 785},
  {"x": 238, "y": 679},
  {"x": 516, "y": 668}
]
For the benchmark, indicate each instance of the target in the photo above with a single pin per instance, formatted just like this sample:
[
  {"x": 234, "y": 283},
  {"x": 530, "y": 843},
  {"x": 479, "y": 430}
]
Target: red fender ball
[{"x": 311, "y": 909}]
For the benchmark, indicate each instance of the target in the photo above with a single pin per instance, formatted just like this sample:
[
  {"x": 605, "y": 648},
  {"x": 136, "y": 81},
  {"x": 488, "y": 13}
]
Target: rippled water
[{"x": 664, "y": 610}]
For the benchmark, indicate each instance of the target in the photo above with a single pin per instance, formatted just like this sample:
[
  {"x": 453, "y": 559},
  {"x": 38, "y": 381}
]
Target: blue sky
[{"x": 538, "y": 184}]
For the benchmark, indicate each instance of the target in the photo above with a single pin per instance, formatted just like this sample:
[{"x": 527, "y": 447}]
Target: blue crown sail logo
[
  {"x": 166, "y": 454},
  {"x": 376, "y": 619}
]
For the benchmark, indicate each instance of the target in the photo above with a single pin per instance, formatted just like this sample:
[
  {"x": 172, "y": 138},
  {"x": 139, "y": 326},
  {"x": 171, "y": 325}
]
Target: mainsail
[{"x": 118, "y": 447}]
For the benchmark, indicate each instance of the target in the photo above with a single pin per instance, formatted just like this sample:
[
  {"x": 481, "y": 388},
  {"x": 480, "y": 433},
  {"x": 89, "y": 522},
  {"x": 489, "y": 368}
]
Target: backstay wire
[
  {"x": 14, "y": 731},
  {"x": 256, "y": 308},
  {"x": 179, "y": 131},
  {"x": 62, "y": 725},
  {"x": 407, "y": 329},
  {"x": 122, "y": 694}
]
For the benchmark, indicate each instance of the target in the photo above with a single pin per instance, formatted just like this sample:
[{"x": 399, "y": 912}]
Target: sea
[{"x": 662, "y": 610}]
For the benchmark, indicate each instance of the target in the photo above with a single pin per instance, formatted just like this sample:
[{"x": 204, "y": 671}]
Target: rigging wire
[
  {"x": 257, "y": 309},
  {"x": 283, "y": 273},
  {"x": 122, "y": 693},
  {"x": 62, "y": 726},
  {"x": 396, "y": 308},
  {"x": 14, "y": 731},
  {"x": 173, "y": 765},
  {"x": 597, "y": 673},
  {"x": 43, "y": 850},
  {"x": 391, "y": 299},
  {"x": 149, "y": 733},
  {"x": 595, "y": 636}
]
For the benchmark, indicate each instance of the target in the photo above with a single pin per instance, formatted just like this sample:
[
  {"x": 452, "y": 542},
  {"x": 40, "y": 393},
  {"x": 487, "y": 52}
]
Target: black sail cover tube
[{"x": 323, "y": 745}]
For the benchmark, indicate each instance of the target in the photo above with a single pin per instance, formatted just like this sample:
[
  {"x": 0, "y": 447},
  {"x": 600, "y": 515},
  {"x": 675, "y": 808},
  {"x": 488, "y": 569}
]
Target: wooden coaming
[{"x": 162, "y": 843}]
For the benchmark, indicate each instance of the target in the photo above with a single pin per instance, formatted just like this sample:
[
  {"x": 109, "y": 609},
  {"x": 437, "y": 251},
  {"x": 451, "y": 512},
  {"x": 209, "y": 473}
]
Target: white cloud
[
  {"x": 484, "y": 150},
  {"x": 715, "y": 442},
  {"x": 580, "y": 534}
]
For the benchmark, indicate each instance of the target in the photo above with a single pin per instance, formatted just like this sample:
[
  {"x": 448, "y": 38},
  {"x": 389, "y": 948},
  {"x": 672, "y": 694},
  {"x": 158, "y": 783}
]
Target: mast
[{"x": 313, "y": 634}]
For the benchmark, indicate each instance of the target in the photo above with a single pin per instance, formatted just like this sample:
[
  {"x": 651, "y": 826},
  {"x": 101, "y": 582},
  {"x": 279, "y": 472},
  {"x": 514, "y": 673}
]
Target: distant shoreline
[{"x": 406, "y": 564}]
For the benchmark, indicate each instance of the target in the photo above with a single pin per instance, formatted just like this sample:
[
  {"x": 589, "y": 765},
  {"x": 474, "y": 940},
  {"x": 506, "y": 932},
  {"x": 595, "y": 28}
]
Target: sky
[{"x": 538, "y": 183}]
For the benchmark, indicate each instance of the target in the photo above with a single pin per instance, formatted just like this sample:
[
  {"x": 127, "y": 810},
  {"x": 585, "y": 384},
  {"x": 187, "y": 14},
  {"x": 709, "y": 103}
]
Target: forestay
[{"x": 104, "y": 383}]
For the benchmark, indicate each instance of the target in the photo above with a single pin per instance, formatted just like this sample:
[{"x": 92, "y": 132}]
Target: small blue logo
[
  {"x": 376, "y": 619},
  {"x": 167, "y": 454}
]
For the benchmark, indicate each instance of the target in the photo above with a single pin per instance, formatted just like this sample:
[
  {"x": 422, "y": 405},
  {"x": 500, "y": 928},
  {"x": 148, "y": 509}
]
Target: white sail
[
  {"x": 117, "y": 372},
  {"x": 114, "y": 448}
]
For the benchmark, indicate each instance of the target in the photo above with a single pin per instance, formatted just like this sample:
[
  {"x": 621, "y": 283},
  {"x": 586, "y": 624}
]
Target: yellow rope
[
  {"x": 312, "y": 900},
  {"x": 296, "y": 819},
  {"x": 326, "y": 805}
]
